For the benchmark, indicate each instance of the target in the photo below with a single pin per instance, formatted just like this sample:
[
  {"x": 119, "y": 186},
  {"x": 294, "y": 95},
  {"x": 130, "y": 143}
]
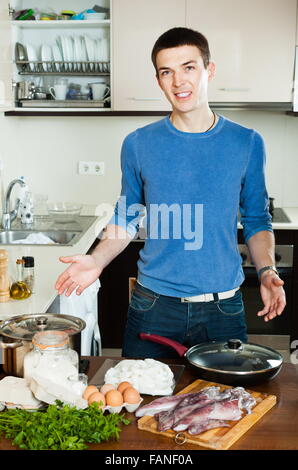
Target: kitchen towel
[
  {"x": 35, "y": 239},
  {"x": 295, "y": 97},
  {"x": 85, "y": 307}
]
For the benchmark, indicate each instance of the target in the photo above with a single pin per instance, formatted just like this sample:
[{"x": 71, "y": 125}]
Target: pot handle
[
  {"x": 12, "y": 344},
  {"x": 179, "y": 348}
]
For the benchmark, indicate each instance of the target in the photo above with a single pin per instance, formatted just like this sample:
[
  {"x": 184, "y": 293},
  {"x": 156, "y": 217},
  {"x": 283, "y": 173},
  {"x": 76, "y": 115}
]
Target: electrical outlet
[
  {"x": 99, "y": 168},
  {"x": 91, "y": 168}
]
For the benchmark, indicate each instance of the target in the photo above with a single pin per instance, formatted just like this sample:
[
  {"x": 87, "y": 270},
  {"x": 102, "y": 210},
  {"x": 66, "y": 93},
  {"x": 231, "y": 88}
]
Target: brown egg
[
  {"x": 131, "y": 395},
  {"x": 89, "y": 390},
  {"x": 122, "y": 386},
  {"x": 106, "y": 388},
  {"x": 98, "y": 397},
  {"x": 114, "y": 398}
]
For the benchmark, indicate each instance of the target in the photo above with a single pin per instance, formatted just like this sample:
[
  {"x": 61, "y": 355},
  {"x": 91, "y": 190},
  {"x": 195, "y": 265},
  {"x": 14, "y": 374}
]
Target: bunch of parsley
[{"x": 60, "y": 427}]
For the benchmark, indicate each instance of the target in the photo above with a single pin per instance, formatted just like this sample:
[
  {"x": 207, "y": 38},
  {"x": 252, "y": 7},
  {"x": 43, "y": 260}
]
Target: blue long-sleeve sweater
[{"x": 192, "y": 185}]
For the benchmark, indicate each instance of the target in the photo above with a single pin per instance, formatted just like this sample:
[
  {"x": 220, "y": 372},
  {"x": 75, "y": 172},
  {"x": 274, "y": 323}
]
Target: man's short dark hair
[{"x": 176, "y": 37}]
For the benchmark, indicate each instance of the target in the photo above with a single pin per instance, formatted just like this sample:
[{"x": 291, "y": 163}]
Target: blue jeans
[{"x": 188, "y": 323}]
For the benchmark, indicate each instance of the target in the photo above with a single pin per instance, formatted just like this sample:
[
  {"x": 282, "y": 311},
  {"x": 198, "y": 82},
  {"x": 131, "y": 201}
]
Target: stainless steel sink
[
  {"x": 62, "y": 237},
  {"x": 61, "y": 233}
]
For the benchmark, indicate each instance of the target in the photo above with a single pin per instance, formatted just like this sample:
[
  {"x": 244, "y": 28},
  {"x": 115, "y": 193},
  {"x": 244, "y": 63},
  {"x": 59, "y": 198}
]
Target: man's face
[{"x": 183, "y": 77}]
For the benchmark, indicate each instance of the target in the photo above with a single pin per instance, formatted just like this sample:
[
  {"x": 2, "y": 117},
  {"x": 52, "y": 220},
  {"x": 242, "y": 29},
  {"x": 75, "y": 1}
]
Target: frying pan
[{"x": 231, "y": 362}]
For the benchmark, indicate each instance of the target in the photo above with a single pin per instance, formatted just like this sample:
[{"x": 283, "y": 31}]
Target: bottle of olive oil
[{"x": 19, "y": 289}]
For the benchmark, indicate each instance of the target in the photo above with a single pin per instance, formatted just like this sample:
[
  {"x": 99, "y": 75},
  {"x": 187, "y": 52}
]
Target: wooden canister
[{"x": 4, "y": 278}]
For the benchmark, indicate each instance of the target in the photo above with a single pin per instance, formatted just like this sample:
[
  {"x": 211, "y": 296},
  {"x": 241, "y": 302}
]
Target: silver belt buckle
[{"x": 194, "y": 298}]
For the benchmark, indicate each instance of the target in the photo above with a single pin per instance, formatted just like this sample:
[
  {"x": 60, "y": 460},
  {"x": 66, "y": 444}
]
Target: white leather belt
[{"x": 210, "y": 297}]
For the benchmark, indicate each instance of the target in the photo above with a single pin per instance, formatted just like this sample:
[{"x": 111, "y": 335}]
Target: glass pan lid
[{"x": 246, "y": 358}]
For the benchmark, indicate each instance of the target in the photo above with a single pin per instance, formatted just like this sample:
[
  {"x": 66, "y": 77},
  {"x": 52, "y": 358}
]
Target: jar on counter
[{"x": 51, "y": 357}]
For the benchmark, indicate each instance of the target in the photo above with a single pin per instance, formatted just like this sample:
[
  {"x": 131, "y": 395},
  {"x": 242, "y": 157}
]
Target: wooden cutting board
[{"x": 217, "y": 438}]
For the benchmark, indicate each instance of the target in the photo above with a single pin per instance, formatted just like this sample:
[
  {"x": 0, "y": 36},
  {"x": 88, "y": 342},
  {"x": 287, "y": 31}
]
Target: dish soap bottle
[
  {"x": 19, "y": 289},
  {"x": 26, "y": 209}
]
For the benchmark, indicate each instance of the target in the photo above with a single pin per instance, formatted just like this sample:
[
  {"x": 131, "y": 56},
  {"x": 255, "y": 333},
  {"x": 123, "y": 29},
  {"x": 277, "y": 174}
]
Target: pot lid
[
  {"x": 234, "y": 357},
  {"x": 24, "y": 327}
]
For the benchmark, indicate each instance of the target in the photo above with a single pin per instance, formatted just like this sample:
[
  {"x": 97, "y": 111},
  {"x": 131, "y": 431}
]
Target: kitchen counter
[
  {"x": 48, "y": 267},
  {"x": 277, "y": 430},
  {"x": 292, "y": 213}
]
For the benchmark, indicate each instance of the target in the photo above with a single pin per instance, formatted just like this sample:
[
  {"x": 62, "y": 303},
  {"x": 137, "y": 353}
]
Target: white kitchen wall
[{"x": 46, "y": 150}]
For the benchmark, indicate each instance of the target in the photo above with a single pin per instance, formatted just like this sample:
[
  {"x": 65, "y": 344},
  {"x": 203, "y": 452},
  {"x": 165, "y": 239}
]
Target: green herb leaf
[{"x": 60, "y": 427}]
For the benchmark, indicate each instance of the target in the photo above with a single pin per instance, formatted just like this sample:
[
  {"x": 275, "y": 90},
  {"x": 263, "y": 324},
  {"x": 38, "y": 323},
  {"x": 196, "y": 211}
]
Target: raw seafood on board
[{"x": 197, "y": 412}]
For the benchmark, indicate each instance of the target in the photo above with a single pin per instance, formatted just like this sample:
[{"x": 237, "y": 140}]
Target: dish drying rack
[{"x": 51, "y": 67}]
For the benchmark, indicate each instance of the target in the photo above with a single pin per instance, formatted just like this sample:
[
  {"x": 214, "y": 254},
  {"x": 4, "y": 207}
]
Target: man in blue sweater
[{"x": 191, "y": 171}]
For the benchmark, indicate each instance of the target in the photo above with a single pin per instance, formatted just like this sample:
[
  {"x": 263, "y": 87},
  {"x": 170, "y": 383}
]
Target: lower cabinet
[{"x": 114, "y": 295}]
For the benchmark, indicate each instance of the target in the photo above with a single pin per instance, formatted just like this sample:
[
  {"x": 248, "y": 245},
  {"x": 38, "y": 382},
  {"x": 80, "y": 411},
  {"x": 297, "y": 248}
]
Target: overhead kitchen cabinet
[
  {"x": 295, "y": 94},
  {"x": 76, "y": 51},
  {"x": 6, "y": 96},
  {"x": 136, "y": 26},
  {"x": 252, "y": 44}
]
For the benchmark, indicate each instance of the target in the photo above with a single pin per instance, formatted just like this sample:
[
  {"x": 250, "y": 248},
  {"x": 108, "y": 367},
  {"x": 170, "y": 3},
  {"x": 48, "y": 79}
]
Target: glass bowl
[{"x": 64, "y": 211}]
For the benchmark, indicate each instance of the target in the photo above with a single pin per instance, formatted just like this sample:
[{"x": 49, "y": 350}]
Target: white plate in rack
[
  {"x": 105, "y": 49},
  {"x": 57, "y": 55},
  {"x": 64, "y": 51},
  {"x": 32, "y": 56},
  {"x": 46, "y": 56},
  {"x": 90, "y": 46},
  {"x": 98, "y": 50},
  {"x": 78, "y": 54},
  {"x": 59, "y": 44},
  {"x": 84, "y": 52},
  {"x": 70, "y": 52},
  {"x": 71, "y": 47}
]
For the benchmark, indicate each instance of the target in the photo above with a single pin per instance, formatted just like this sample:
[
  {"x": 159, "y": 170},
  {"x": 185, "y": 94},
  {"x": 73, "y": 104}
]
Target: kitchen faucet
[{"x": 8, "y": 216}]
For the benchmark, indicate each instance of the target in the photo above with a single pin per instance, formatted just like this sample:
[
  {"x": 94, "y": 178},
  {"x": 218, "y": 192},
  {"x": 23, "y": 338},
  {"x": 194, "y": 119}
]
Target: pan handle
[
  {"x": 9, "y": 343},
  {"x": 181, "y": 350}
]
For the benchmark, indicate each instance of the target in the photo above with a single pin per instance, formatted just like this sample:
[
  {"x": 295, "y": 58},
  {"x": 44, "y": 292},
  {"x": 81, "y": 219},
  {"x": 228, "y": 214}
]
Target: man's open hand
[{"x": 273, "y": 295}]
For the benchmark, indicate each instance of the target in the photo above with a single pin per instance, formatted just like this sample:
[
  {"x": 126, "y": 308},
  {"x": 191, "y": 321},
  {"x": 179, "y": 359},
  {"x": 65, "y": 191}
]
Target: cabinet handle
[
  {"x": 132, "y": 98},
  {"x": 234, "y": 89}
]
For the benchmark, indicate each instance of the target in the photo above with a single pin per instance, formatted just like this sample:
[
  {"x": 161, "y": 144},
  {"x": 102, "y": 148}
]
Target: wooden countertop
[{"x": 277, "y": 430}]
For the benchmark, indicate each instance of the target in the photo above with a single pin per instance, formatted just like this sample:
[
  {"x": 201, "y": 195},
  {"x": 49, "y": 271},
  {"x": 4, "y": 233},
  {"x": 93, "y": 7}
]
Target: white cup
[
  {"x": 99, "y": 91},
  {"x": 58, "y": 91},
  {"x": 61, "y": 81}
]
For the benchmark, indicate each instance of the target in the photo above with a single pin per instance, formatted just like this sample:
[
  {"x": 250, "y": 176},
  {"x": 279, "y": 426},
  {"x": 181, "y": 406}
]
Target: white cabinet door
[
  {"x": 6, "y": 95},
  {"x": 136, "y": 25},
  {"x": 297, "y": 29},
  {"x": 253, "y": 46}
]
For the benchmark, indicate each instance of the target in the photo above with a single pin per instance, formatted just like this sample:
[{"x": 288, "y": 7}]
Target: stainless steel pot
[
  {"x": 231, "y": 362},
  {"x": 38, "y": 95},
  {"x": 16, "y": 336},
  {"x": 25, "y": 90}
]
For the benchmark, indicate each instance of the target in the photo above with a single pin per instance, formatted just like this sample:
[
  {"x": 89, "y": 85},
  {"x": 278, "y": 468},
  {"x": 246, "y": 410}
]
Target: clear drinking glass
[{"x": 40, "y": 204}]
